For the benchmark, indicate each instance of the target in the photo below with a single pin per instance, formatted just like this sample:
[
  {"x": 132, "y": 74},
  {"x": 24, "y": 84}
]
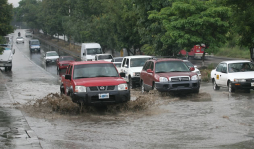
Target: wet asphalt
[{"x": 225, "y": 121}]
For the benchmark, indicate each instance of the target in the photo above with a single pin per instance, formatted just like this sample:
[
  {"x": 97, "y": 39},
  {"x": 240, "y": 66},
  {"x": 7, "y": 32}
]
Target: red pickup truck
[{"x": 94, "y": 82}]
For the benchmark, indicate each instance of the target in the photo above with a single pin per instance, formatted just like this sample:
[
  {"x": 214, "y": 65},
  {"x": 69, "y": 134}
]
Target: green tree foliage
[
  {"x": 242, "y": 19},
  {"x": 191, "y": 22},
  {"x": 5, "y": 20}
]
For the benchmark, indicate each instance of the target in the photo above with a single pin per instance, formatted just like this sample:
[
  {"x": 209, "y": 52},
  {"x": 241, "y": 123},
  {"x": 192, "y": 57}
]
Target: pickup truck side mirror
[
  {"x": 149, "y": 71},
  {"x": 126, "y": 66},
  {"x": 68, "y": 77},
  {"x": 122, "y": 74}
]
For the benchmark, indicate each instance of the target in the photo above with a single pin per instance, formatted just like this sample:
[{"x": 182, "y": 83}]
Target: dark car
[
  {"x": 34, "y": 45},
  {"x": 168, "y": 75},
  {"x": 63, "y": 62},
  {"x": 117, "y": 59}
]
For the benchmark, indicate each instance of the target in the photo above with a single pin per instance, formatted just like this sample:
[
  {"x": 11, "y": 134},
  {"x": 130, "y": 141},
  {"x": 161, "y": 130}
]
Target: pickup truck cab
[
  {"x": 94, "y": 83},
  {"x": 132, "y": 66}
]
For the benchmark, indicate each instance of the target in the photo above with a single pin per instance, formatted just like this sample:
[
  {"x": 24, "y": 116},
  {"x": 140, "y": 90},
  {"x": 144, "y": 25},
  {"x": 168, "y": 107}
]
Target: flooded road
[{"x": 212, "y": 119}]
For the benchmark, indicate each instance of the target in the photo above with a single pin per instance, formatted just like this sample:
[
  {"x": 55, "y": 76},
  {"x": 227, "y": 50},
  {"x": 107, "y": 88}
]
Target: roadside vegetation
[
  {"x": 154, "y": 27},
  {"x": 234, "y": 52}
]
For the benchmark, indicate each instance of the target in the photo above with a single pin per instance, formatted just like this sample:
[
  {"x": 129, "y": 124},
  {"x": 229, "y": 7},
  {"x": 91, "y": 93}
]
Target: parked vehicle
[
  {"x": 104, "y": 57},
  {"x": 189, "y": 64},
  {"x": 132, "y": 66},
  {"x": 168, "y": 75},
  {"x": 118, "y": 66},
  {"x": 6, "y": 56},
  {"x": 196, "y": 52},
  {"x": 235, "y": 74},
  {"x": 20, "y": 40},
  {"x": 63, "y": 61},
  {"x": 34, "y": 45},
  {"x": 50, "y": 57},
  {"x": 89, "y": 50},
  {"x": 94, "y": 83}
]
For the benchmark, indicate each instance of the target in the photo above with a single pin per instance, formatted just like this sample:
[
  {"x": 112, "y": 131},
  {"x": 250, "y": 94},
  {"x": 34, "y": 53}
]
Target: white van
[
  {"x": 89, "y": 50},
  {"x": 6, "y": 56}
]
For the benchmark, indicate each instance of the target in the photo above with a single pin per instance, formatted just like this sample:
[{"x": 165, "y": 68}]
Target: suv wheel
[{"x": 215, "y": 86}]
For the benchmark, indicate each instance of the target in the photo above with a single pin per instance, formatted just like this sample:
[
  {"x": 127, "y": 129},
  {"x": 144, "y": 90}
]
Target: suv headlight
[
  {"x": 122, "y": 87},
  {"x": 239, "y": 80},
  {"x": 195, "y": 77},
  {"x": 80, "y": 89},
  {"x": 163, "y": 79}
]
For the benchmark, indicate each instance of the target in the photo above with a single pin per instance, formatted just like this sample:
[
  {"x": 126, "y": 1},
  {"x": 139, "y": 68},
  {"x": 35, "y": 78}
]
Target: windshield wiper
[
  {"x": 161, "y": 71},
  {"x": 80, "y": 77}
]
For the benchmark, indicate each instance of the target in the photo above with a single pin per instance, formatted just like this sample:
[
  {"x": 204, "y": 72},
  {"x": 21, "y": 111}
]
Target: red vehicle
[
  {"x": 94, "y": 82},
  {"x": 169, "y": 75},
  {"x": 63, "y": 61},
  {"x": 196, "y": 52}
]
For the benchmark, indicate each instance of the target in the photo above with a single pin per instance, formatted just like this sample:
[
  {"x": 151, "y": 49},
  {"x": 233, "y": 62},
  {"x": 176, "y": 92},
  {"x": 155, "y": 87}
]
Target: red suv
[
  {"x": 94, "y": 82},
  {"x": 168, "y": 75}
]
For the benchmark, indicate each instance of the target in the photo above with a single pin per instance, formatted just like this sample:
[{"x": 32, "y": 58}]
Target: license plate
[
  {"x": 252, "y": 83},
  {"x": 103, "y": 96}
]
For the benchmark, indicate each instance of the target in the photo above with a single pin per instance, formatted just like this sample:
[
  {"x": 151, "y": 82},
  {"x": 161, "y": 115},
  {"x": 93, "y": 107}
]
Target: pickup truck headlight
[
  {"x": 122, "y": 87},
  {"x": 80, "y": 89},
  {"x": 195, "y": 77},
  {"x": 239, "y": 80},
  {"x": 163, "y": 79}
]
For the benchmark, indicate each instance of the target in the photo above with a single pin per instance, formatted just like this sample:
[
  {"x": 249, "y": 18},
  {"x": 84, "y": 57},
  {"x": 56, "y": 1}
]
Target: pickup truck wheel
[
  {"x": 230, "y": 88},
  {"x": 215, "y": 86}
]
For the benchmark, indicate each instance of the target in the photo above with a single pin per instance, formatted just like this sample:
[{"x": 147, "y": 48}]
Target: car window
[
  {"x": 95, "y": 70},
  {"x": 224, "y": 68},
  {"x": 127, "y": 63},
  {"x": 66, "y": 59},
  {"x": 152, "y": 65},
  {"x": 171, "y": 66},
  {"x": 104, "y": 57},
  {"x": 51, "y": 54},
  {"x": 219, "y": 67},
  {"x": 138, "y": 62},
  {"x": 118, "y": 59},
  {"x": 93, "y": 51},
  {"x": 147, "y": 64},
  {"x": 124, "y": 62}
]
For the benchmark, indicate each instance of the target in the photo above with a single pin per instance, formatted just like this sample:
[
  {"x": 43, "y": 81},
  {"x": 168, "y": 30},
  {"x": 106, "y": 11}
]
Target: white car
[
  {"x": 28, "y": 34},
  {"x": 50, "y": 57},
  {"x": 132, "y": 66},
  {"x": 19, "y": 40},
  {"x": 235, "y": 74},
  {"x": 104, "y": 57},
  {"x": 189, "y": 64}
]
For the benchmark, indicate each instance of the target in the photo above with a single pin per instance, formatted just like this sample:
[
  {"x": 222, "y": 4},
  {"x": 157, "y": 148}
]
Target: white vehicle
[
  {"x": 104, "y": 57},
  {"x": 50, "y": 57},
  {"x": 132, "y": 66},
  {"x": 6, "y": 56},
  {"x": 118, "y": 66},
  {"x": 189, "y": 64},
  {"x": 19, "y": 40},
  {"x": 89, "y": 50},
  {"x": 235, "y": 74}
]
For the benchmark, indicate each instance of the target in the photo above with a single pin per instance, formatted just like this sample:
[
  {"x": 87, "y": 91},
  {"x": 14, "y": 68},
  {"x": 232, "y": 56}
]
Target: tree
[
  {"x": 191, "y": 22},
  {"x": 5, "y": 20},
  {"x": 242, "y": 21}
]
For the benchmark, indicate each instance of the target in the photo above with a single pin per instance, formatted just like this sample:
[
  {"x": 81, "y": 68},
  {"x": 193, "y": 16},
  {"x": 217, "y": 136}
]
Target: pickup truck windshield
[
  {"x": 104, "y": 57},
  {"x": 35, "y": 42},
  {"x": 138, "y": 62},
  {"x": 94, "y": 70},
  {"x": 170, "y": 66},
  {"x": 93, "y": 51}
]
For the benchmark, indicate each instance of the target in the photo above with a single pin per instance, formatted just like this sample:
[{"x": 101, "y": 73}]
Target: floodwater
[{"x": 211, "y": 119}]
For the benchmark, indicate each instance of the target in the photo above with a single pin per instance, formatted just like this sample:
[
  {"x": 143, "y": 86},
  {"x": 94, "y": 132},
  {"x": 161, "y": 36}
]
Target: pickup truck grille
[
  {"x": 176, "y": 79},
  {"x": 102, "y": 88}
]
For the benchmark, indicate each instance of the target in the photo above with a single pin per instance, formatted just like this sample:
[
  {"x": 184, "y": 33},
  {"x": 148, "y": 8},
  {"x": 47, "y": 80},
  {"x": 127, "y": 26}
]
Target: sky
[{"x": 15, "y": 3}]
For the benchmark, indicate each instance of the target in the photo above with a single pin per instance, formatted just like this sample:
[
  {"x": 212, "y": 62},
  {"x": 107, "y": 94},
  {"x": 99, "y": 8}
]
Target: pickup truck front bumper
[
  {"x": 92, "y": 98},
  {"x": 179, "y": 86}
]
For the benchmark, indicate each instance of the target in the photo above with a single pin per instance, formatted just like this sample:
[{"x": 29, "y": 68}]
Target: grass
[
  {"x": 235, "y": 52},
  {"x": 206, "y": 72}
]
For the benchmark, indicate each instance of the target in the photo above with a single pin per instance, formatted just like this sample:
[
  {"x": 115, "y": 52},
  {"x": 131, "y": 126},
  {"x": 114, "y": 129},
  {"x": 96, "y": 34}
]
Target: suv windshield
[
  {"x": 35, "y": 42},
  {"x": 138, "y": 62},
  {"x": 51, "y": 54},
  {"x": 94, "y": 70},
  {"x": 189, "y": 64},
  {"x": 240, "y": 67},
  {"x": 94, "y": 51},
  {"x": 170, "y": 66},
  {"x": 66, "y": 59},
  {"x": 104, "y": 57}
]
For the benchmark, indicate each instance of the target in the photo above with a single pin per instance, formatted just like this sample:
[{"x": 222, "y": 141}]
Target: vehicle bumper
[
  {"x": 50, "y": 61},
  {"x": 135, "y": 80},
  {"x": 243, "y": 85},
  {"x": 5, "y": 64},
  {"x": 35, "y": 49},
  {"x": 92, "y": 98},
  {"x": 183, "y": 86},
  {"x": 19, "y": 41}
]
